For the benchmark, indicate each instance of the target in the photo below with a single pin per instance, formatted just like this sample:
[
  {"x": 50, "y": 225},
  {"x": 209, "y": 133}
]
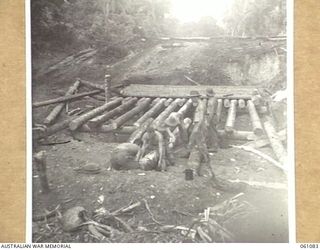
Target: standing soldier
[{"x": 211, "y": 123}]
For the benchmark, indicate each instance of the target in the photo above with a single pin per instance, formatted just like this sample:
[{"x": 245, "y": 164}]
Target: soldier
[
  {"x": 211, "y": 124},
  {"x": 176, "y": 128},
  {"x": 152, "y": 139}
]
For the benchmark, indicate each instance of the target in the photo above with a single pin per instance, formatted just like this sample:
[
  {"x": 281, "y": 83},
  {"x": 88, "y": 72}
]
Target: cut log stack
[
  {"x": 152, "y": 110},
  {"x": 78, "y": 122},
  {"x": 57, "y": 109},
  {"x": 142, "y": 106},
  {"x": 155, "y": 110},
  {"x": 124, "y": 107}
]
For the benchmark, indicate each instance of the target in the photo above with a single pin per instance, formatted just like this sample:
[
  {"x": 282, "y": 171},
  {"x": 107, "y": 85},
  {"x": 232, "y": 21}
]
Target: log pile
[{"x": 134, "y": 114}]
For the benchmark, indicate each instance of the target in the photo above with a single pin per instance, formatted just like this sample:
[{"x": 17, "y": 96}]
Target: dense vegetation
[{"x": 64, "y": 25}]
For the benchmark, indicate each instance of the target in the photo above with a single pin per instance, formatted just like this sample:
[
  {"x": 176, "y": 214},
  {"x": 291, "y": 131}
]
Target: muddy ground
[{"x": 172, "y": 199}]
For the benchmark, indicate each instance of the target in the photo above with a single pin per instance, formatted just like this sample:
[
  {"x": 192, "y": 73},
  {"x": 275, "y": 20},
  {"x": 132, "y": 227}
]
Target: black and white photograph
[{"x": 160, "y": 121}]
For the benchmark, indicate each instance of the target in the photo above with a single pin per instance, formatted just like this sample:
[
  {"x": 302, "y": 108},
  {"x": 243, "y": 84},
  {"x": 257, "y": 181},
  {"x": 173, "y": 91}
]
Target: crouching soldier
[
  {"x": 124, "y": 157},
  {"x": 152, "y": 140}
]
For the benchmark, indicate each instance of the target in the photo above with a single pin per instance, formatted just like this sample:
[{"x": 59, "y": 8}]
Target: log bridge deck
[{"x": 135, "y": 107}]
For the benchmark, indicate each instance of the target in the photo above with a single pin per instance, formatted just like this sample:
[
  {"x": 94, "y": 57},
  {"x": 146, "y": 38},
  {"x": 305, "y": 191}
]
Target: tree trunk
[
  {"x": 155, "y": 110},
  {"x": 255, "y": 120},
  {"x": 78, "y": 122},
  {"x": 101, "y": 87},
  {"x": 241, "y": 103},
  {"x": 232, "y": 113},
  {"x": 142, "y": 106},
  {"x": 219, "y": 110},
  {"x": 186, "y": 108},
  {"x": 124, "y": 107},
  {"x": 65, "y": 98},
  {"x": 275, "y": 142}
]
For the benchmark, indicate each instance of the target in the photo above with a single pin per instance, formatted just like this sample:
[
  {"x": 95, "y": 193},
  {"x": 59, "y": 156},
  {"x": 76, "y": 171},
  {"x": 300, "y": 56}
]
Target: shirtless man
[{"x": 152, "y": 139}]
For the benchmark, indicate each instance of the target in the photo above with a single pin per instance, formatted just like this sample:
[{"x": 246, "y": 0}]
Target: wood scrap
[
  {"x": 65, "y": 98},
  {"x": 40, "y": 161},
  {"x": 191, "y": 80},
  {"x": 151, "y": 214},
  {"x": 262, "y": 155},
  {"x": 47, "y": 214},
  {"x": 275, "y": 141}
]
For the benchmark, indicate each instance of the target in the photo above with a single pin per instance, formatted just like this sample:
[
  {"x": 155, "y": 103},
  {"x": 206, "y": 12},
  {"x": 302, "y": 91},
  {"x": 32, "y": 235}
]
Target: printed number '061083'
[{"x": 309, "y": 245}]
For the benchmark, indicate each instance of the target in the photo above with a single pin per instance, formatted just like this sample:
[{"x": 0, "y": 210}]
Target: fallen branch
[
  {"x": 193, "y": 81},
  {"x": 151, "y": 214},
  {"x": 47, "y": 214},
  {"x": 65, "y": 98},
  {"x": 125, "y": 209},
  {"x": 262, "y": 155}
]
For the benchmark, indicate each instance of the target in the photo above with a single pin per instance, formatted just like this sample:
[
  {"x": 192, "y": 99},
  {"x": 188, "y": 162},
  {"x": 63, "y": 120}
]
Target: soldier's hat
[
  {"x": 173, "y": 120},
  {"x": 194, "y": 93},
  {"x": 210, "y": 92}
]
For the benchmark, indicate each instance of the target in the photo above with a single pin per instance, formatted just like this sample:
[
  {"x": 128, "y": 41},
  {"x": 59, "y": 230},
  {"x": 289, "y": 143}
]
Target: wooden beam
[
  {"x": 113, "y": 89},
  {"x": 275, "y": 141},
  {"x": 255, "y": 120},
  {"x": 219, "y": 109},
  {"x": 124, "y": 107},
  {"x": 237, "y": 135},
  {"x": 155, "y": 110},
  {"x": 65, "y": 98},
  {"x": 183, "y": 91},
  {"x": 142, "y": 106},
  {"x": 231, "y": 118},
  {"x": 241, "y": 103},
  {"x": 186, "y": 108},
  {"x": 78, "y": 122}
]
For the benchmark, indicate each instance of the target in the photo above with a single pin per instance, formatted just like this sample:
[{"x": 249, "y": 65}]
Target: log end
[
  {"x": 73, "y": 126},
  {"x": 258, "y": 131},
  {"x": 229, "y": 130}
]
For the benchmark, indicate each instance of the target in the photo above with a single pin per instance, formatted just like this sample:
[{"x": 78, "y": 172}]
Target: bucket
[{"x": 188, "y": 174}]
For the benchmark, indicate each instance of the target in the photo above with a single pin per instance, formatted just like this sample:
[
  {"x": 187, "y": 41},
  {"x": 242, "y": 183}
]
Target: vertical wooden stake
[
  {"x": 241, "y": 103},
  {"x": 40, "y": 160},
  {"x": 219, "y": 110},
  {"x": 107, "y": 88}
]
